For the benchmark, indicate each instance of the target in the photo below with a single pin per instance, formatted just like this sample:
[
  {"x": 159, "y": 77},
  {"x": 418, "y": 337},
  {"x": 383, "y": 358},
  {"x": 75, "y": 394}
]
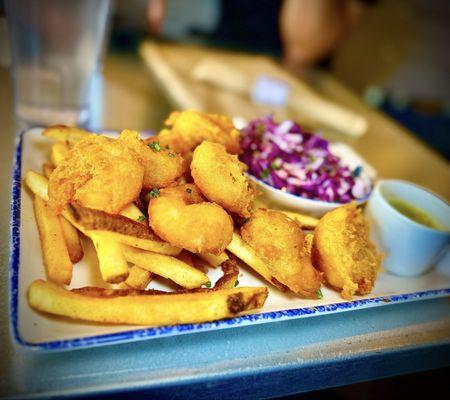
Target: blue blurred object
[{"x": 434, "y": 129}]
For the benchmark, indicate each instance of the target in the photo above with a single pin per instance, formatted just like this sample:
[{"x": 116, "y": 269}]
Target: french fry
[
  {"x": 54, "y": 251},
  {"x": 156, "y": 246},
  {"x": 167, "y": 267},
  {"x": 151, "y": 310},
  {"x": 72, "y": 239},
  {"x": 37, "y": 183},
  {"x": 245, "y": 253},
  {"x": 133, "y": 212},
  {"x": 213, "y": 260},
  {"x": 59, "y": 152},
  {"x": 112, "y": 263},
  {"x": 65, "y": 134},
  {"x": 138, "y": 278},
  {"x": 305, "y": 221}
]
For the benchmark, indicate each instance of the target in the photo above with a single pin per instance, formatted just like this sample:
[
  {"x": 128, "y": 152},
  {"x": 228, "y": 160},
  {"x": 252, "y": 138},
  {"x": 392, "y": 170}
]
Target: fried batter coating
[
  {"x": 187, "y": 129},
  {"x": 161, "y": 166},
  {"x": 279, "y": 242},
  {"x": 343, "y": 251},
  {"x": 181, "y": 216},
  {"x": 99, "y": 173},
  {"x": 220, "y": 176}
]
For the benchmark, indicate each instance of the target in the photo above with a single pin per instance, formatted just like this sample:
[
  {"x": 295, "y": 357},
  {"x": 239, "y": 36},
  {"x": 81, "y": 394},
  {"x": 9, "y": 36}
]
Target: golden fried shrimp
[
  {"x": 161, "y": 166},
  {"x": 220, "y": 177},
  {"x": 187, "y": 129},
  {"x": 99, "y": 173},
  {"x": 180, "y": 215},
  {"x": 279, "y": 242},
  {"x": 343, "y": 251}
]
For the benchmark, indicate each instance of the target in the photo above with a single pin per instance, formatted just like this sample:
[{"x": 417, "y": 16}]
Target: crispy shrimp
[
  {"x": 343, "y": 251},
  {"x": 161, "y": 166},
  {"x": 279, "y": 242},
  {"x": 181, "y": 216},
  {"x": 99, "y": 173},
  {"x": 187, "y": 129},
  {"x": 220, "y": 176}
]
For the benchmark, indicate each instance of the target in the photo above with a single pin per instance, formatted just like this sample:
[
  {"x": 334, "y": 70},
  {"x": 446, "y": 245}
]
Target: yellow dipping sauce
[{"x": 416, "y": 214}]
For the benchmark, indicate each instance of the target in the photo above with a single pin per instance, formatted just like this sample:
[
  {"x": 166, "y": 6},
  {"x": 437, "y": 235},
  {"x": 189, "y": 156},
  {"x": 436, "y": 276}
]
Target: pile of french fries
[{"x": 129, "y": 256}]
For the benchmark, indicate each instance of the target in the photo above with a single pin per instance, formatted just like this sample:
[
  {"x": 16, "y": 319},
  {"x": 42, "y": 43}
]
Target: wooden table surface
[{"x": 391, "y": 149}]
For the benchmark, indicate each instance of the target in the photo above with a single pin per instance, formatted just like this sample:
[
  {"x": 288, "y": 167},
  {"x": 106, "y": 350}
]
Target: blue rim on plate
[{"x": 164, "y": 331}]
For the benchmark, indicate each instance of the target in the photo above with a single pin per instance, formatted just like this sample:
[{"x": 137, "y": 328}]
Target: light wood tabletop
[{"x": 391, "y": 149}]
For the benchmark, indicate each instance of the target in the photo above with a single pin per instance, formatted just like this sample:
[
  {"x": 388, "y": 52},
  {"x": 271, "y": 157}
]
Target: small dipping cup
[{"x": 410, "y": 248}]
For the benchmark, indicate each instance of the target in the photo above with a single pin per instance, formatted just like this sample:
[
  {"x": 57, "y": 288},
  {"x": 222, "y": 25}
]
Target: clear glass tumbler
[{"x": 56, "y": 48}]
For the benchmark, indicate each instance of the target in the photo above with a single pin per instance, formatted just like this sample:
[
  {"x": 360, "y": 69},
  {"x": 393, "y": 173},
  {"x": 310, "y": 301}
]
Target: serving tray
[{"x": 37, "y": 331}]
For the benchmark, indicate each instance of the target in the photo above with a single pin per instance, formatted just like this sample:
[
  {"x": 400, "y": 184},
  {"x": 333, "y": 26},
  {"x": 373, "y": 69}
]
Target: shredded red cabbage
[{"x": 287, "y": 158}]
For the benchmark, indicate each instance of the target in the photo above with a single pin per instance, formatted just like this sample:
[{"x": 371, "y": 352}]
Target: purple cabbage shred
[{"x": 290, "y": 159}]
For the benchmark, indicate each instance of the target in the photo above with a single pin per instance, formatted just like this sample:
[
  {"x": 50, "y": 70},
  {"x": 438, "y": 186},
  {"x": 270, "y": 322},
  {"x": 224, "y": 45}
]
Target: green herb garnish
[
  {"x": 171, "y": 155},
  {"x": 189, "y": 190},
  {"x": 208, "y": 284},
  {"x": 260, "y": 129},
  {"x": 319, "y": 294},
  {"x": 155, "y": 146},
  {"x": 141, "y": 218},
  {"x": 274, "y": 165},
  {"x": 154, "y": 193},
  {"x": 236, "y": 283},
  {"x": 265, "y": 173}
]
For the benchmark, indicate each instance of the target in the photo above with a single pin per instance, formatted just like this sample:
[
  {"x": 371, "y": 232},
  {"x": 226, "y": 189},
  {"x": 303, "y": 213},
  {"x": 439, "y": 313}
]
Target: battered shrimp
[
  {"x": 279, "y": 242},
  {"x": 180, "y": 216},
  {"x": 99, "y": 173},
  {"x": 190, "y": 128},
  {"x": 343, "y": 251},
  {"x": 161, "y": 166},
  {"x": 220, "y": 176}
]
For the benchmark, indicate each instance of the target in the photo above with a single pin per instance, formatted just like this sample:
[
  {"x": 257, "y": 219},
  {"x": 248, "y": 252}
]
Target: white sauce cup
[{"x": 410, "y": 248}]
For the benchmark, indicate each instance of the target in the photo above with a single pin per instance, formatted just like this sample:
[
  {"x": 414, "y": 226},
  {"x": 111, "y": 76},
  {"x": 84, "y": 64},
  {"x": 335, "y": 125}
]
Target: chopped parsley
[
  {"x": 189, "y": 190},
  {"x": 155, "y": 146},
  {"x": 208, "y": 284},
  {"x": 265, "y": 173},
  {"x": 171, "y": 155},
  {"x": 260, "y": 129},
  {"x": 154, "y": 193},
  {"x": 274, "y": 165},
  {"x": 319, "y": 294},
  {"x": 141, "y": 218},
  {"x": 236, "y": 283}
]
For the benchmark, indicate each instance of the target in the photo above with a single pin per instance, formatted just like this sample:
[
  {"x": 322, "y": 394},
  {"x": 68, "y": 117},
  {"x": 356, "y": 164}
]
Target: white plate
[{"x": 42, "y": 332}]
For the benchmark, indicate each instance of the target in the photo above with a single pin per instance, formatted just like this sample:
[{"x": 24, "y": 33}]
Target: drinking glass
[{"x": 56, "y": 48}]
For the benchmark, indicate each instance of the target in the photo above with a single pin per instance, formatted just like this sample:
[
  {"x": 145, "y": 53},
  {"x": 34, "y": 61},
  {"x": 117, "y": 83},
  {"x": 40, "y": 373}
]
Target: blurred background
[
  {"x": 383, "y": 62},
  {"x": 391, "y": 54}
]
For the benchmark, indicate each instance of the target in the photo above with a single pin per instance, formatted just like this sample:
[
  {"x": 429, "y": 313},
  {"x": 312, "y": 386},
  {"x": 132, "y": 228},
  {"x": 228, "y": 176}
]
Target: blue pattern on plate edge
[
  {"x": 14, "y": 237},
  {"x": 163, "y": 331}
]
